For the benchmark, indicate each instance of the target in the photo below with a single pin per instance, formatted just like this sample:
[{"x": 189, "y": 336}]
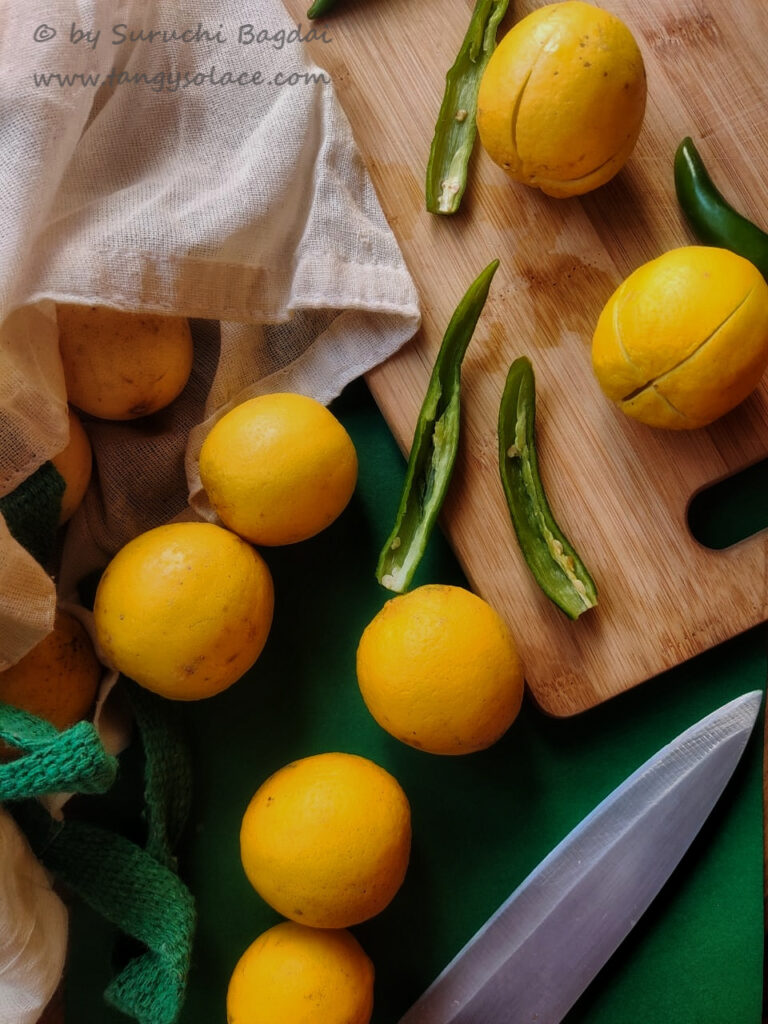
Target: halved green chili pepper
[
  {"x": 456, "y": 126},
  {"x": 555, "y": 565},
  {"x": 435, "y": 443},
  {"x": 320, "y": 7},
  {"x": 713, "y": 220}
]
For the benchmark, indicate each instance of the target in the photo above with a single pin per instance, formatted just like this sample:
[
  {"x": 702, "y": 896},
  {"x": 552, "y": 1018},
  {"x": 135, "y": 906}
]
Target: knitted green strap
[
  {"x": 73, "y": 761},
  {"x": 133, "y": 887},
  {"x": 32, "y": 511},
  {"x": 167, "y": 774}
]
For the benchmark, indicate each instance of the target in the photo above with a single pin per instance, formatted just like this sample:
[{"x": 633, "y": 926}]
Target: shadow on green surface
[{"x": 732, "y": 509}]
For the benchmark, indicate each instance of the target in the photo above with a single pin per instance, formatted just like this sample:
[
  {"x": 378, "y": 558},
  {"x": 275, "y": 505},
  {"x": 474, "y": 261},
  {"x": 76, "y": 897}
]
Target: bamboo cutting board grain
[{"x": 619, "y": 489}]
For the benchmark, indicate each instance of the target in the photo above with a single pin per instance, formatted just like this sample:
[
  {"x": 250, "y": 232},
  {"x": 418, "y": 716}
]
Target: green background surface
[{"x": 480, "y": 822}]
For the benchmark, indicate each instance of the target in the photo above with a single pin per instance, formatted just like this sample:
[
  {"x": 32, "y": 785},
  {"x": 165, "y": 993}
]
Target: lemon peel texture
[
  {"x": 563, "y": 97},
  {"x": 684, "y": 339}
]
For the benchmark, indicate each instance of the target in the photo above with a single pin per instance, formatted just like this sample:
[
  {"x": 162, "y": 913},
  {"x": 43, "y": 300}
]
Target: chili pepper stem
[
  {"x": 456, "y": 127},
  {"x": 320, "y": 7}
]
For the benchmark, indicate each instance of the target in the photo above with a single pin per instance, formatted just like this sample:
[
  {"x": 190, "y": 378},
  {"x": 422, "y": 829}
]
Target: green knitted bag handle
[
  {"x": 72, "y": 761},
  {"x": 134, "y": 887},
  {"x": 32, "y": 511}
]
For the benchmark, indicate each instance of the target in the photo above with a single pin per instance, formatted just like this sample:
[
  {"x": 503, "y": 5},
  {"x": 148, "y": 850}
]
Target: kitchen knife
[{"x": 538, "y": 952}]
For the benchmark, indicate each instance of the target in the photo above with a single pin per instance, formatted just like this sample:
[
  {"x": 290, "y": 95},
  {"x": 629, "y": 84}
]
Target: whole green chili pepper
[
  {"x": 456, "y": 126},
  {"x": 434, "y": 447},
  {"x": 713, "y": 220},
  {"x": 320, "y": 7},
  {"x": 555, "y": 565}
]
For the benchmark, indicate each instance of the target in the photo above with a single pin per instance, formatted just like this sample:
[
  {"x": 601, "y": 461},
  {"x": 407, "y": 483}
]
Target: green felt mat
[{"x": 480, "y": 823}]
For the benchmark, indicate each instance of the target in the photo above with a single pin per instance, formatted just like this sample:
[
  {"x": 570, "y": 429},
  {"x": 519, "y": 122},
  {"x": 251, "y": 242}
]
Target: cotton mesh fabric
[
  {"x": 27, "y": 600},
  {"x": 33, "y": 939},
  {"x": 246, "y": 207}
]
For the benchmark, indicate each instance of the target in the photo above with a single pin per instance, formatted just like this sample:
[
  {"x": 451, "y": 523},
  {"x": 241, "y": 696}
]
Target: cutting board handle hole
[{"x": 732, "y": 509}]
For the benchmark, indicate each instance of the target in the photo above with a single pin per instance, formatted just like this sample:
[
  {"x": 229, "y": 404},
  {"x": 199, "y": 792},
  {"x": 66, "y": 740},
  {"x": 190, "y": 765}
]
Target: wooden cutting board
[{"x": 620, "y": 490}]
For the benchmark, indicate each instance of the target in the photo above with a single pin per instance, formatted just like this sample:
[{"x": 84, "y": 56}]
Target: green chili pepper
[
  {"x": 434, "y": 447},
  {"x": 320, "y": 7},
  {"x": 713, "y": 220},
  {"x": 557, "y": 568},
  {"x": 456, "y": 126}
]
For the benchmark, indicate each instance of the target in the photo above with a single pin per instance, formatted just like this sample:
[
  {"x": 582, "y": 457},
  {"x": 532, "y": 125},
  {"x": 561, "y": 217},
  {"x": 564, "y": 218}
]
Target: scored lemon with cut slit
[
  {"x": 684, "y": 339},
  {"x": 562, "y": 100}
]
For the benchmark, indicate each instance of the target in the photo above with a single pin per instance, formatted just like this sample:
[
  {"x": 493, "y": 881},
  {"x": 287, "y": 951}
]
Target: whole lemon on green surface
[
  {"x": 278, "y": 468},
  {"x": 562, "y": 100},
  {"x": 293, "y": 974},
  {"x": 326, "y": 840},
  {"x": 74, "y": 463},
  {"x": 684, "y": 339},
  {"x": 439, "y": 670},
  {"x": 57, "y": 680},
  {"x": 120, "y": 365},
  {"x": 184, "y": 609}
]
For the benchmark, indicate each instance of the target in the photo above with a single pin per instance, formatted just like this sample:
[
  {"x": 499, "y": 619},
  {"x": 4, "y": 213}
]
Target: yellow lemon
[
  {"x": 563, "y": 98},
  {"x": 684, "y": 339},
  {"x": 184, "y": 609},
  {"x": 58, "y": 679},
  {"x": 297, "y": 975},
  {"x": 439, "y": 670},
  {"x": 120, "y": 366},
  {"x": 326, "y": 840},
  {"x": 74, "y": 464},
  {"x": 278, "y": 468}
]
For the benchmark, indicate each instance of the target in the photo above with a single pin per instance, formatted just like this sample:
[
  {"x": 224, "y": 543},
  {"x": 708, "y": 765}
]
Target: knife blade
[{"x": 537, "y": 953}]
